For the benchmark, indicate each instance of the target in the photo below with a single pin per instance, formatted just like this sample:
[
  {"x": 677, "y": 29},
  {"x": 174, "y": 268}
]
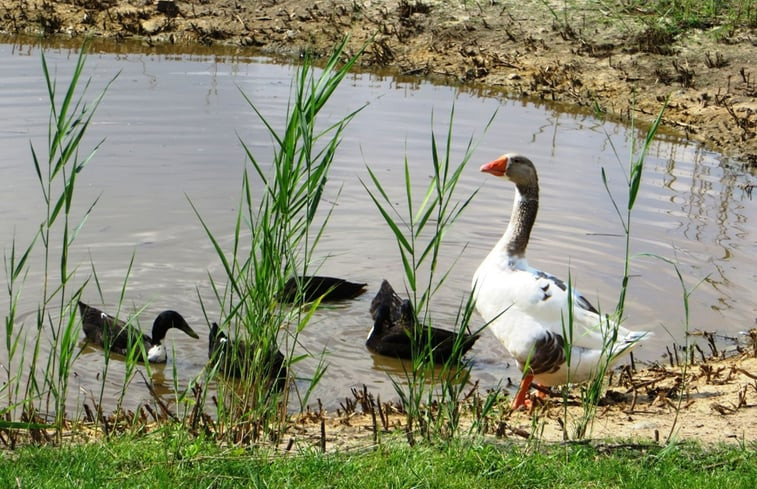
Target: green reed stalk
[
  {"x": 57, "y": 173},
  {"x": 275, "y": 237},
  {"x": 685, "y": 295},
  {"x": 16, "y": 272},
  {"x": 592, "y": 391},
  {"x": 419, "y": 233},
  {"x": 136, "y": 354}
]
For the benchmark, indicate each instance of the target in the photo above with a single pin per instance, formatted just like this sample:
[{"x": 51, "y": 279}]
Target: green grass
[
  {"x": 658, "y": 20},
  {"x": 593, "y": 390},
  {"x": 686, "y": 14},
  {"x": 158, "y": 461}
]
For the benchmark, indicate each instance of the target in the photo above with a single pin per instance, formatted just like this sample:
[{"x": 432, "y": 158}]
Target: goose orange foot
[{"x": 521, "y": 397}]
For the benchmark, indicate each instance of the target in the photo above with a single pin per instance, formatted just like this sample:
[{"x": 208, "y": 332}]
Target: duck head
[
  {"x": 381, "y": 322},
  {"x": 407, "y": 316},
  {"x": 165, "y": 321},
  {"x": 216, "y": 340}
]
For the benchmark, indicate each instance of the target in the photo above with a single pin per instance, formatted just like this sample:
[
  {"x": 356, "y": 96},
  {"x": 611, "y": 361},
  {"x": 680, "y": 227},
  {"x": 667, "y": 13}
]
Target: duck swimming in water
[
  {"x": 116, "y": 336},
  {"x": 394, "y": 324},
  {"x": 235, "y": 357},
  {"x": 325, "y": 288}
]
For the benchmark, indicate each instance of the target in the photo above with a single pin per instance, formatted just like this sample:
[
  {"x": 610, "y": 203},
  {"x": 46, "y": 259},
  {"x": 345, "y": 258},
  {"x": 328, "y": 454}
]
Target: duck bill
[
  {"x": 189, "y": 331},
  {"x": 497, "y": 167}
]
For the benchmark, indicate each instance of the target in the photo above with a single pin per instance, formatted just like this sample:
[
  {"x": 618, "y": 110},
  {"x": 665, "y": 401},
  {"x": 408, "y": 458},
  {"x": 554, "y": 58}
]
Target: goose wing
[{"x": 533, "y": 305}]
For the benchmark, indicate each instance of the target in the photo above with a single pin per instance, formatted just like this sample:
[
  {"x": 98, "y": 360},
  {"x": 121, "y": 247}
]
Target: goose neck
[{"x": 522, "y": 218}]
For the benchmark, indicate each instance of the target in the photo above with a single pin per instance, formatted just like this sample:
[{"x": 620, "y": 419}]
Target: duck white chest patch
[{"x": 157, "y": 354}]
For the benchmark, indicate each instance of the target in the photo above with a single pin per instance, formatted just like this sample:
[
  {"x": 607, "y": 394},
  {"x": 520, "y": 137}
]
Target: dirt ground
[
  {"x": 712, "y": 402},
  {"x": 580, "y": 52},
  {"x": 709, "y": 401},
  {"x": 584, "y": 55}
]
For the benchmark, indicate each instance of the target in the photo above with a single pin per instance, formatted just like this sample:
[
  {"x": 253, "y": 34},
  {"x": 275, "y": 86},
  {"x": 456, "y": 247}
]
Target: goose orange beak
[{"x": 497, "y": 167}]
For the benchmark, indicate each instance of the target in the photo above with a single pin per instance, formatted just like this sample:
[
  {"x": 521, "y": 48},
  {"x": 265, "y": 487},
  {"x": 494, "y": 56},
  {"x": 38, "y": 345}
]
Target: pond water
[{"x": 171, "y": 125}]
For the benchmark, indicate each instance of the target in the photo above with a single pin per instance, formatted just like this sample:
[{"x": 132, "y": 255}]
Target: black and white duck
[
  {"x": 116, "y": 336},
  {"x": 527, "y": 309},
  {"x": 394, "y": 325},
  {"x": 234, "y": 357}
]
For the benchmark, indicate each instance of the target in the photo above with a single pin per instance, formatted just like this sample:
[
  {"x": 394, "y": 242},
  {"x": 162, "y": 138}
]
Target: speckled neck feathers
[{"x": 522, "y": 218}]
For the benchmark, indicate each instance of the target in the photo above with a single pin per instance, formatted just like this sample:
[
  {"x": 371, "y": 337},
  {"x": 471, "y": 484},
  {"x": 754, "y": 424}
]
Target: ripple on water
[{"x": 172, "y": 128}]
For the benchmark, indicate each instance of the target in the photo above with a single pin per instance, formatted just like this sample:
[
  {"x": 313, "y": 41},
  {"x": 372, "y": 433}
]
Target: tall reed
[
  {"x": 57, "y": 170},
  {"x": 135, "y": 352},
  {"x": 276, "y": 232},
  {"x": 419, "y": 230},
  {"x": 687, "y": 346},
  {"x": 593, "y": 390}
]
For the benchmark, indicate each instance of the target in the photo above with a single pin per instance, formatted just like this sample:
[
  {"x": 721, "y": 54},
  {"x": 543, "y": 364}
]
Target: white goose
[{"x": 528, "y": 309}]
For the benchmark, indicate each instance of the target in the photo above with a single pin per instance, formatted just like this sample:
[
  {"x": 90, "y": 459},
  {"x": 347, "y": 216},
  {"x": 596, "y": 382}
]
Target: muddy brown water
[{"x": 171, "y": 123}]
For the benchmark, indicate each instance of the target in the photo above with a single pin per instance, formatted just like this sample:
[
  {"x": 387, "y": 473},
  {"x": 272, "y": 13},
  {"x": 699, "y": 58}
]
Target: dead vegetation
[{"x": 708, "y": 395}]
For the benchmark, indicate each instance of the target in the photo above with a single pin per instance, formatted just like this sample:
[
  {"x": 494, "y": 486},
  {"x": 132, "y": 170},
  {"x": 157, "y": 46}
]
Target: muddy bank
[
  {"x": 710, "y": 402},
  {"x": 584, "y": 55}
]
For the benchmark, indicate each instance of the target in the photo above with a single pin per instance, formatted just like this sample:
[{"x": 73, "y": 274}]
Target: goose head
[{"x": 514, "y": 167}]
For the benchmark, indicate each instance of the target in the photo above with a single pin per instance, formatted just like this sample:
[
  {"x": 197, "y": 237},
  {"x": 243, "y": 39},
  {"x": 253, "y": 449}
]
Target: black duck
[
  {"x": 234, "y": 357},
  {"x": 328, "y": 288},
  {"x": 115, "y": 335},
  {"x": 394, "y": 323}
]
